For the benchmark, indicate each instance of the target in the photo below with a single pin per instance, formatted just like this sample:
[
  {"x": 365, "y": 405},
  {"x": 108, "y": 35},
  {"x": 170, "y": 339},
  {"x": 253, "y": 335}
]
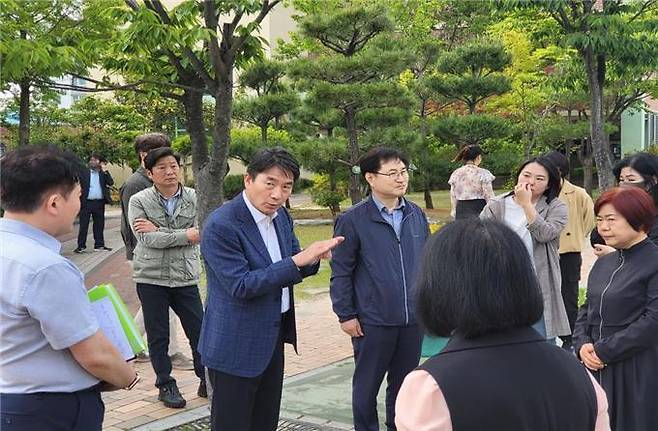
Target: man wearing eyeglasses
[{"x": 372, "y": 284}]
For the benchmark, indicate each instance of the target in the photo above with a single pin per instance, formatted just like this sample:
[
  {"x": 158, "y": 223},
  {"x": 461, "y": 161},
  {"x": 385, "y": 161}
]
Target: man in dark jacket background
[
  {"x": 95, "y": 183},
  {"x": 372, "y": 284}
]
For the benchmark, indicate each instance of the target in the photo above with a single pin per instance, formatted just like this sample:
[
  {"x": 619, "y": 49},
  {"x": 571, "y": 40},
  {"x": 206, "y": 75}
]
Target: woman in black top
[{"x": 616, "y": 334}]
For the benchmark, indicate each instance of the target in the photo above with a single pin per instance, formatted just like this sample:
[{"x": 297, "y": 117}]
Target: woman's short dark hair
[
  {"x": 156, "y": 154},
  {"x": 554, "y": 178},
  {"x": 372, "y": 160},
  {"x": 468, "y": 153},
  {"x": 633, "y": 203},
  {"x": 273, "y": 157},
  {"x": 476, "y": 278},
  {"x": 28, "y": 173},
  {"x": 646, "y": 165}
]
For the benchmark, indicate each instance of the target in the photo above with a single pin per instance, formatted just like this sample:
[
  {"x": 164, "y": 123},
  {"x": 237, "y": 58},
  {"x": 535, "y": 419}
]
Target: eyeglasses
[{"x": 395, "y": 174}]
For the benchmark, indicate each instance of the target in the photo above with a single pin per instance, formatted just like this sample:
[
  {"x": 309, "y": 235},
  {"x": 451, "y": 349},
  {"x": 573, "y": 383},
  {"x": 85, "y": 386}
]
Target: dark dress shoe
[
  {"x": 170, "y": 396},
  {"x": 203, "y": 390}
]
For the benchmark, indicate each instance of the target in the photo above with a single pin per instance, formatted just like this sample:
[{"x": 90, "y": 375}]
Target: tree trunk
[
  {"x": 595, "y": 67},
  {"x": 588, "y": 174},
  {"x": 209, "y": 170},
  {"x": 428, "y": 195},
  {"x": 210, "y": 184},
  {"x": 335, "y": 208},
  {"x": 24, "y": 113},
  {"x": 193, "y": 104},
  {"x": 587, "y": 161},
  {"x": 353, "y": 148},
  {"x": 263, "y": 134}
]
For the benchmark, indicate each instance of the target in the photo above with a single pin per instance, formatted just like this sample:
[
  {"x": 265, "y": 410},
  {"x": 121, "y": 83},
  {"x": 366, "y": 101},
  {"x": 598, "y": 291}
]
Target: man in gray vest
[{"x": 137, "y": 182}]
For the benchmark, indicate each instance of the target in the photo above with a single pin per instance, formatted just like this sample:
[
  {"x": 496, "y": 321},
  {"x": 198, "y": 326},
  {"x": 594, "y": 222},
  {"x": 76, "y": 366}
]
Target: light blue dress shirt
[
  {"x": 170, "y": 203},
  {"x": 44, "y": 310},
  {"x": 394, "y": 217},
  {"x": 95, "y": 191},
  {"x": 267, "y": 231}
]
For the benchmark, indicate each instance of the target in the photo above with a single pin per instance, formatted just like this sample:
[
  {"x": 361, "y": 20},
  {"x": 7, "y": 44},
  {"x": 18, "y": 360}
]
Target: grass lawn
[{"x": 318, "y": 283}]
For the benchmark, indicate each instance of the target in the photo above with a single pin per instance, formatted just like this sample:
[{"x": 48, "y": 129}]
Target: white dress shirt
[{"x": 267, "y": 231}]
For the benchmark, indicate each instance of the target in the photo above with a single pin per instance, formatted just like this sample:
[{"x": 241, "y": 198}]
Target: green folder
[{"x": 107, "y": 292}]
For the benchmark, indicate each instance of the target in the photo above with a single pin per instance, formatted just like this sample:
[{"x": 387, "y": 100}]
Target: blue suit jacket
[{"x": 243, "y": 318}]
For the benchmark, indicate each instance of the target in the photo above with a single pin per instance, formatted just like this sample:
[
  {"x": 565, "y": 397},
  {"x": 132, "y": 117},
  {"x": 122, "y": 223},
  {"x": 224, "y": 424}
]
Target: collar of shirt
[
  {"x": 383, "y": 209},
  {"x": 175, "y": 195},
  {"x": 25, "y": 229},
  {"x": 258, "y": 216}
]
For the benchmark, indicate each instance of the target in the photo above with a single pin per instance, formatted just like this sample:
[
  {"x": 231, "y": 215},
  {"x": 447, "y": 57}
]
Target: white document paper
[{"x": 111, "y": 327}]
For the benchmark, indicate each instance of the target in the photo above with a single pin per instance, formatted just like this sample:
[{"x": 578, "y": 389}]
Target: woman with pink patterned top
[{"x": 470, "y": 185}]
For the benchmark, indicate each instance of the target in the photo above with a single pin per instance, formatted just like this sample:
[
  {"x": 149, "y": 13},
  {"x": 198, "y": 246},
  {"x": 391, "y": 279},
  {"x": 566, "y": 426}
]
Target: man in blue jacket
[
  {"x": 252, "y": 261},
  {"x": 372, "y": 284}
]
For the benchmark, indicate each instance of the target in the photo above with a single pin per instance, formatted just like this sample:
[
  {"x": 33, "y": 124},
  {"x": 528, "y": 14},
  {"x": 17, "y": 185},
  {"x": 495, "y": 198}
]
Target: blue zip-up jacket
[{"x": 373, "y": 273}]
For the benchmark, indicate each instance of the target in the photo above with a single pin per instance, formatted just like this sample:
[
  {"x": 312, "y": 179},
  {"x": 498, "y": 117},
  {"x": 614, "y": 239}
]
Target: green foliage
[
  {"x": 272, "y": 100},
  {"x": 182, "y": 145},
  {"x": 346, "y": 30},
  {"x": 40, "y": 39},
  {"x": 472, "y": 73},
  {"x": 328, "y": 194},
  {"x": 246, "y": 141},
  {"x": 433, "y": 169},
  {"x": 470, "y": 129},
  {"x": 324, "y": 155},
  {"x": 233, "y": 185},
  {"x": 503, "y": 156}
]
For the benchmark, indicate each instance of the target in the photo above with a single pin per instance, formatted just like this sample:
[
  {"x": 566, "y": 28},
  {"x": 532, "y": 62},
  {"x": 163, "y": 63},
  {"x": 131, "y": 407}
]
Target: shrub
[{"x": 233, "y": 184}]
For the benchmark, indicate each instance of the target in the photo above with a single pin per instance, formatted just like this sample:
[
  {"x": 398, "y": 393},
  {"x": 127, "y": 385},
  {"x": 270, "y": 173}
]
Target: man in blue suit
[{"x": 252, "y": 261}]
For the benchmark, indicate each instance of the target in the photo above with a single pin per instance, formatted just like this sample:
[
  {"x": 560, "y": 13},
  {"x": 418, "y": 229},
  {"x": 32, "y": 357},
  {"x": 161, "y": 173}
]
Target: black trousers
[
  {"x": 92, "y": 209},
  {"x": 52, "y": 411},
  {"x": 390, "y": 350},
  {"x": 248, "y": 403},
  {"x": 186, "y": 303},
  {"x": 570, "y": 264}
]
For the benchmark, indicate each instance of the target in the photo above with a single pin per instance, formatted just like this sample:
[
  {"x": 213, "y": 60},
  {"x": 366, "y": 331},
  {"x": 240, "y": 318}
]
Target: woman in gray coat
[{"x": 535, "y": 213}]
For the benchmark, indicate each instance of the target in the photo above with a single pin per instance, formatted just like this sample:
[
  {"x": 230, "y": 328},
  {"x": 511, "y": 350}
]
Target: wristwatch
[{"x": 134, "y": 382}]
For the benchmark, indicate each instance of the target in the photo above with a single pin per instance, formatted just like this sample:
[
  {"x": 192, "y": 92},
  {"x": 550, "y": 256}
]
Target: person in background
[
  {"x": 470, "y": 185},
  {"x": 639, "y": 170},
  {"x": 95, "y": 183},
  {"x": 138, "y": 181},
  {"x": 535, "y": 213},
  {"x": 495, "y": 373},
  {"x": 372, "y": 287},
  {"x": 580, "y": 222},
  {"x": 166, "y": 267},
  {"x": 253, "y": 259},
  {"x": 616, "y": 331},
  {"x": 52, "y": 354}
]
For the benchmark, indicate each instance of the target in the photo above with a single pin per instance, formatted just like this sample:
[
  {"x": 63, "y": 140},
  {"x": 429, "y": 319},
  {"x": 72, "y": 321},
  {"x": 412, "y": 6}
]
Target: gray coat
[
  {"x": 545, "y": 232},
  {"x": 165, "y": 257}
]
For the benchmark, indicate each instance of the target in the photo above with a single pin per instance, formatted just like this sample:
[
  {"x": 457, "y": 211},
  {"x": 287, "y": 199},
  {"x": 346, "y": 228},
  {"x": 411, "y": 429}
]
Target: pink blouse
[
  {"x": 421, "y": 406},
  {"x": 471, "y": 182}
]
